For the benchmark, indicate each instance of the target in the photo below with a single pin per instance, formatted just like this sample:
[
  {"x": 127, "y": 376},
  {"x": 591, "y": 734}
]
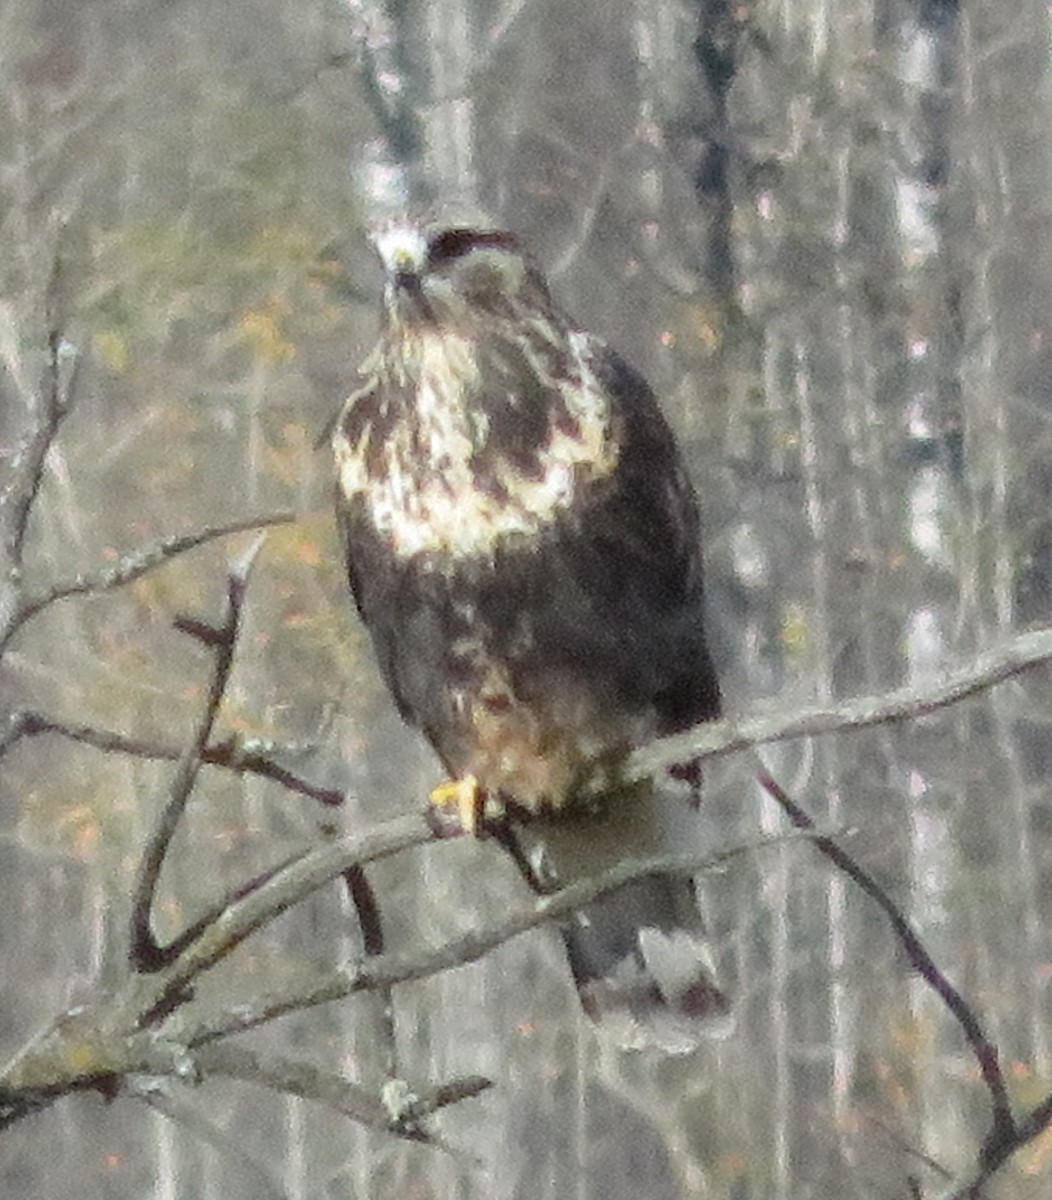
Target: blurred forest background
[{"x": 824, "y": 232}]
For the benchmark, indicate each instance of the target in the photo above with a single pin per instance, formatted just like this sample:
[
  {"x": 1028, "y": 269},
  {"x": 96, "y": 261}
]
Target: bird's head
[{"x": 451, "y": 277}]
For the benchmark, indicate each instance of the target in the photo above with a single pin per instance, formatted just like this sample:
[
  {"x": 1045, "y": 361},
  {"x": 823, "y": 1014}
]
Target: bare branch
[
  {"x": 1025, "y": 652},
  {"x": 162, "y": 1098},
  {"x": 279, "y": 890},
  {"x": 50, "y": 405},
  {"x": 47, "y": 405},
  {"x": 391, "y": 968},
  {"x": 1003, "y": 1128},
  {"x": 445, "y": 1094},
  {"x": 144, "y": 951},
  {"x": 94, "y": 1047},
  {"x": 157, "y": 1065},
  {"x": 901, "y": 1143},
  {"x": 361, "y": 894},
  {"x": 231, "y": 753},
  {"x": 295, "y": 1079},
  {"x": 995, "y": 1153},
  {"x": 326, "y": 1087},
  {"x": 133, "y": 566}
]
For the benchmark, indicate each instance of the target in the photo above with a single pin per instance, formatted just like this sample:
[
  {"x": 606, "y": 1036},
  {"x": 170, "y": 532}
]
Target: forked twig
[
  {"x": 231, "y": 754},
  {"x": 132, "y": 566},
  {"x": 145, "y": 953}
]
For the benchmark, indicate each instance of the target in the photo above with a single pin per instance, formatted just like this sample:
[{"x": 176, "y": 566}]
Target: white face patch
[
  {"x": 401, "y": 248},
  {"x": 427, "y": 496}
]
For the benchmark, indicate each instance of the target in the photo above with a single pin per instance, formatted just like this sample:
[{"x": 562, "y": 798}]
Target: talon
[{"x": 465, "y": 798}]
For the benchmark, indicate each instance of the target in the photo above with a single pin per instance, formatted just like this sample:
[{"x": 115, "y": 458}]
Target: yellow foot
[{"x": 464, "y": 797}]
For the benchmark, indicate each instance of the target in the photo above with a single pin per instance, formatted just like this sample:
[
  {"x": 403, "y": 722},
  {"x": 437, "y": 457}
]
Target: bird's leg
[
  {"x": 464, "y": 798},
  {"x": 532, "y": 863}
]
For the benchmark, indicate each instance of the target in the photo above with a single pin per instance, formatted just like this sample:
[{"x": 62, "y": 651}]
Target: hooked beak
[{"x": 403, "y": 251}]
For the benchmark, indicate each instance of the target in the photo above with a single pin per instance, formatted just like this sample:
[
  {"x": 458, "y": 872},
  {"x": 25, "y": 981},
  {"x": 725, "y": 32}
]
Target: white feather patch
[{"x": 438, "y": 505}]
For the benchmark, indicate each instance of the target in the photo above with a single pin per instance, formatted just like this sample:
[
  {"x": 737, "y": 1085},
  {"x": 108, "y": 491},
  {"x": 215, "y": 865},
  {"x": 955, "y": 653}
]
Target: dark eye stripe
[{"x": 452, "y": 243}]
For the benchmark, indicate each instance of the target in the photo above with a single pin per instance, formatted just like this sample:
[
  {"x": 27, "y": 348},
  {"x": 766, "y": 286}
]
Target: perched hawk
[{"x": 523, "y": 546}]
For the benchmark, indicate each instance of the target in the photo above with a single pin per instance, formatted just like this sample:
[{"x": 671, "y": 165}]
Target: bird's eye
[{"x": 455, "y": 243}]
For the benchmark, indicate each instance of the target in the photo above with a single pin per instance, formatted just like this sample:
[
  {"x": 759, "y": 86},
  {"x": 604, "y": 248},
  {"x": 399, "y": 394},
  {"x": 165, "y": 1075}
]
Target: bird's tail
[
  {"x": 642, "y": 951},
  {"x": 640, "y": 957}
]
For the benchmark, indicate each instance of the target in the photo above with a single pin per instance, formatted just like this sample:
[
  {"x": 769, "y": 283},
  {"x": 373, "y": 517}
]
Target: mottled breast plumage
[{"x": 468, "y": 441}]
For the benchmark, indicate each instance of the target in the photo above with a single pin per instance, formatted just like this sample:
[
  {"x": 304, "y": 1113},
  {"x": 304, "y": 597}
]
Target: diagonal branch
[
  {"x": 391, "y": 968},
  {"x": 94, "y": 1046},
  {"x": 47, "y": 405},
  {"x": 132, "y": 566},
  {"x": 274, "y": 893},
  {"x": 1003, "y": 1128},
  {"x": 144, "y": 952},
  {"x": 30, "y": 474},
  {"x": 1018, "y": 655},
  {"x": 51, "y": 403},
  {"x": 182, "y": 1111}
]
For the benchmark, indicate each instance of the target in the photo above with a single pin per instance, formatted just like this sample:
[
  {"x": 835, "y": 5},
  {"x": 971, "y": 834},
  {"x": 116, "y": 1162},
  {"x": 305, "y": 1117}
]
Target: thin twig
[
  {"x": 179, "y": 1109},
  {"x": 230, "y": 753},
  {"x": 134, "y": 565},
  {"x": 145, "y": 953},
  {"x": 309, "y": 1082},
  {"x": 52, "y": 405},
  {"x": 295, "y": 1079},
  {"x": 902, "y": 1144},
  {"x": 1003, "y": 1123}
]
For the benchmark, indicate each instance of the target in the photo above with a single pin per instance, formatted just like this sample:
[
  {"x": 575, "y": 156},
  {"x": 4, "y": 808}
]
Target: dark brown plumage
[{"x": 524, "y": 548}]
